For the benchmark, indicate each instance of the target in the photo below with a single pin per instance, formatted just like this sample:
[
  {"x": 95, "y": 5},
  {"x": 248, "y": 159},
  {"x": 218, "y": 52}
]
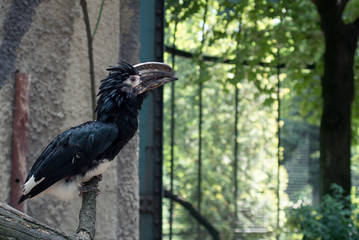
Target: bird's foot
[
  {"x": 90, "y": 187},
  {"x": 83, "y": 189},
  {"x": 99, "y": 177}
]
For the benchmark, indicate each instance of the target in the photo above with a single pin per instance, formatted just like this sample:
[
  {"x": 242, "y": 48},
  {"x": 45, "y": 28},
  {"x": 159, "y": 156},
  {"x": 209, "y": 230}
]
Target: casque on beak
[{"x": 153, "y": 75}]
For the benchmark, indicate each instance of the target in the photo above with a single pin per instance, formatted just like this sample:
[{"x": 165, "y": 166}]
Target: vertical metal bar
[
  {"x": 172, "y": 160},
  {"x": 278, "y": 149},
  {"x": 21, "y": 127},
  {"x": 158, "y": 109},
  {"x": 172, "y": 134},
  {"x": 235, "y": 165},
  {"x": 279, "y": 155},
  {"x": 199, "y": 172},
  {"x": 200, "y": 90},
  {"x": 151, "y": 131}
]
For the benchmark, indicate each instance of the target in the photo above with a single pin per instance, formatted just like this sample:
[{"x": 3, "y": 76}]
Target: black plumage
[{"x": 84, "y": 151}]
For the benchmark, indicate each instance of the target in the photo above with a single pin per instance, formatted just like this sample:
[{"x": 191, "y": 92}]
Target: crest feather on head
[{"x": 113, "y": 91}]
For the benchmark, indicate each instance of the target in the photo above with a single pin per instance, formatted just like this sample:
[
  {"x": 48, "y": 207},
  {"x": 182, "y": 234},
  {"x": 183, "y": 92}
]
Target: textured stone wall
[{"x": 50, "y": 44}]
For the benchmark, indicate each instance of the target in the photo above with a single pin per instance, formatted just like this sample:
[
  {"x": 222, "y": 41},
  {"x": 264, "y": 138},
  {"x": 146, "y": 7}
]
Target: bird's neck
[
  {"x": 119, "y": 111},
  {"x": 127, "y": 112}
]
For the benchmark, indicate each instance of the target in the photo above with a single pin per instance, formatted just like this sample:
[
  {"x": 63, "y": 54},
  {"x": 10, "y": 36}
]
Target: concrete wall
[{"x": 50, "y": 44}]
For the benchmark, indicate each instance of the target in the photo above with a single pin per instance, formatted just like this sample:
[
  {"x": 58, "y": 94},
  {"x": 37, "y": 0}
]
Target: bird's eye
[{"x": 132, "y": 79}]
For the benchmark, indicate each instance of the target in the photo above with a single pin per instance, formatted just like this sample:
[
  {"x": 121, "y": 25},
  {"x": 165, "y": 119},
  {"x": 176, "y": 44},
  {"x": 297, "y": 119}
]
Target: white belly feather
[
  {"x": 68, "y": 190},
  {"x": 101, "y": 168}
]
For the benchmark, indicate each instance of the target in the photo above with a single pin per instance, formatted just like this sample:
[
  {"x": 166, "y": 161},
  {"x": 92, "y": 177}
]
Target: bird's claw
[
  {"x": 90, "y": 188},
  {"x": 84, "y": 188},
  {"x": 99, "y": 177}
]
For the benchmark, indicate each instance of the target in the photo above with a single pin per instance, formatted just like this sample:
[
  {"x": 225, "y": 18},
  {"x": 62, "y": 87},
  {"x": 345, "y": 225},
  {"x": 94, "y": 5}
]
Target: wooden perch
[
  {"x": 17, "y": 225},
  {"x": 87, "y": 216},
  {"x": 21, "y": 125},
  {"x": 188, "y": 206}
]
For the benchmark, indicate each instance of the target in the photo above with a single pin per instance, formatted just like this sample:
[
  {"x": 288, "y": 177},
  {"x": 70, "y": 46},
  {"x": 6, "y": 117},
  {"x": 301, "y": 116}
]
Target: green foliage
[
  {"x": 257, "y": 36},
  {"x": 351, "y": 11},
  {"x": 335, "y": 218},
  {"x": 257, "y": 151},
  {"x": 260, "y": 35}
]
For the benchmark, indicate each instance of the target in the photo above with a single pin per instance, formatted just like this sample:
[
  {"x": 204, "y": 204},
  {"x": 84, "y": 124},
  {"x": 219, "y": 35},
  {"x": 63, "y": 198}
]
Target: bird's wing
[{"x": 68, "y": 154}]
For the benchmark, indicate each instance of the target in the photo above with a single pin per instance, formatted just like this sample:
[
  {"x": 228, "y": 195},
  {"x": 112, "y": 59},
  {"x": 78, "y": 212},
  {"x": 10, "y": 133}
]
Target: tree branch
[
  {"x": 87, "y": 216},
  {"x": 194, "y": 213},
  {"x": 17, "y": 225},
  {"x": 83, "y": 4},
  {"x": 207, "y": 58}
]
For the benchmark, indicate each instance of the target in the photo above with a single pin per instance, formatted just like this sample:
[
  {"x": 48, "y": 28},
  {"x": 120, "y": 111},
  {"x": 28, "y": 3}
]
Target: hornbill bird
[{"x": 85, "y": 151}]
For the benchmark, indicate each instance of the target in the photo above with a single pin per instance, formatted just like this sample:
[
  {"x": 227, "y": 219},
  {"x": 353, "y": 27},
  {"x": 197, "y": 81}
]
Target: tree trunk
[{"x": 338, "y": 95}]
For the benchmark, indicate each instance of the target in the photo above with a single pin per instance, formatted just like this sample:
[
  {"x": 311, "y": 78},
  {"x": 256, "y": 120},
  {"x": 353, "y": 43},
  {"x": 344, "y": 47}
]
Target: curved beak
[{"x": 153, "y": 75}]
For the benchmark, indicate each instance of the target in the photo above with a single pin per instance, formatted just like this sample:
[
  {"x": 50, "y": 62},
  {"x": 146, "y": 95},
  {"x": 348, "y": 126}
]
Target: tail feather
[{"x": 23, "y": 198}]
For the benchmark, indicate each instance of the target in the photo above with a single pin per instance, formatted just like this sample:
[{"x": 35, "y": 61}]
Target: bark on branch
[
  {"x": 17, "y": 225},
  {"x": 87, "y": 216}
]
